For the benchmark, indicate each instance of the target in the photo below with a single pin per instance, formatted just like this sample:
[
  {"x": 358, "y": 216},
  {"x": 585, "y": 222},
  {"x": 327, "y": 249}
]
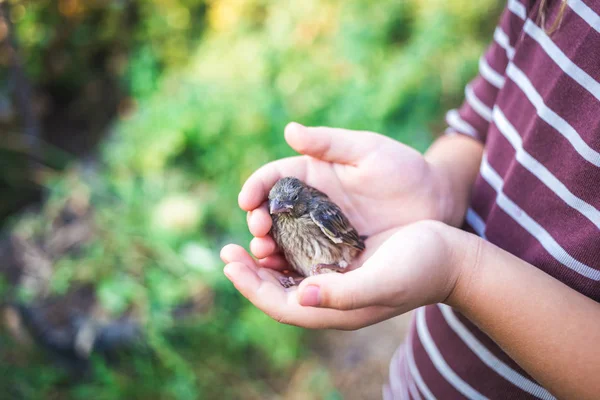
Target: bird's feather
[
  {"x": 312, "y": 231},
  {"x": 334, "y": 224}
]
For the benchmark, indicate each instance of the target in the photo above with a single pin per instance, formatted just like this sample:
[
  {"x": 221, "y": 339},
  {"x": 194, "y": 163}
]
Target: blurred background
[{"x": 127, "y": 128}]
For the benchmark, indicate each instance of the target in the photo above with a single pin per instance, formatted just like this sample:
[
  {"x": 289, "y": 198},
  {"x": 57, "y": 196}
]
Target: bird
[{"x": 311, "y": 230}]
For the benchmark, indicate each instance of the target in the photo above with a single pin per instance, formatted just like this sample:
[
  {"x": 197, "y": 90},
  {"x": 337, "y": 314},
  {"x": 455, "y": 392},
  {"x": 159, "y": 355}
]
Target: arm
[
  {"x": 457, "y": 158},
  {"x": 551, "y": 330}
]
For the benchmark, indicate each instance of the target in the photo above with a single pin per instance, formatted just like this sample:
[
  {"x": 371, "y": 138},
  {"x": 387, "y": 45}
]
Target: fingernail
[
  {"x": 226, "y": 272},
  {"x": 310, "y": 296}
]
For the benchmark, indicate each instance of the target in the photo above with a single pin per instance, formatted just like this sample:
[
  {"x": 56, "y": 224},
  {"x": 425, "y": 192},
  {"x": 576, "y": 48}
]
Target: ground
[{"x": 358, "y": 361}]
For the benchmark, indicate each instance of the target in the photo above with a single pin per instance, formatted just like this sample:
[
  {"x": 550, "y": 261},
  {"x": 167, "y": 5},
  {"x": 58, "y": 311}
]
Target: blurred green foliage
[{"x": 211, "y": 85}]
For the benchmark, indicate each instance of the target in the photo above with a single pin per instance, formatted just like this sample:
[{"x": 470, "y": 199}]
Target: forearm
[
  {"x": 457, "y": 159},
  {"x": 549, "y": 329}
]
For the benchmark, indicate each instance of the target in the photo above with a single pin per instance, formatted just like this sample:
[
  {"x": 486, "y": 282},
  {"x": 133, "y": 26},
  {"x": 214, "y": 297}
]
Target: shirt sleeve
[{"x": 473, "y": 117}]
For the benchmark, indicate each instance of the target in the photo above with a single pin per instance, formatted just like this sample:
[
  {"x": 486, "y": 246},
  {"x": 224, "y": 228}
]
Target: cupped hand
[
  {"x": 400, "y": 270},
  {"x": 378, "y": 182}
]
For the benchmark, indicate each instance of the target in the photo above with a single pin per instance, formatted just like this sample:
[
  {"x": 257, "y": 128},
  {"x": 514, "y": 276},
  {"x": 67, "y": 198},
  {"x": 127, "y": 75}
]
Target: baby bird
[{"x": 313, "y": 233}]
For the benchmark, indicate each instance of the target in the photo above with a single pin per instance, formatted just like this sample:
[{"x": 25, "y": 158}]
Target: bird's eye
[{"x": 295, "y": 197}]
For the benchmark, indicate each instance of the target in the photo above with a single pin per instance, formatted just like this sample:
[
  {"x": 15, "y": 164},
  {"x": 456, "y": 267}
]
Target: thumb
[
  {"x": 331, "y": 144},
  {"x": 348, "y": 291}
]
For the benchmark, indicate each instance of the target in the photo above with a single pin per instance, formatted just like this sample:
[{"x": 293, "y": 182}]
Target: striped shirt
[{"x": 536, "y": 106}]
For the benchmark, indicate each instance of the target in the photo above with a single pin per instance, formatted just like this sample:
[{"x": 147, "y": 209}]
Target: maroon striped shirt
[{"x": 536, "y": 106}]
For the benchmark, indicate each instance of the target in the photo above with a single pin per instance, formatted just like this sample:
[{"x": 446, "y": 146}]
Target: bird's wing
[
  {"x": 335, "y": 225},
  {"x": 317, "y": 193}
]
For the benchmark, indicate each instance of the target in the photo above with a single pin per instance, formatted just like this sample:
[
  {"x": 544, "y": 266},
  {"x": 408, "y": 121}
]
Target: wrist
[
  {"x": 451, "y": 209},
  {"x": 455, "y": 162},
  {"x": 466, "y": 257},
  {"x": 450, "y": 253}
]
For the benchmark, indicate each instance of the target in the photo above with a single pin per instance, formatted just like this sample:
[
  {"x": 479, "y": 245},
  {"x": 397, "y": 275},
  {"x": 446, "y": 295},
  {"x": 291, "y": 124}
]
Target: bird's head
[{"x": 289, "y": 196}]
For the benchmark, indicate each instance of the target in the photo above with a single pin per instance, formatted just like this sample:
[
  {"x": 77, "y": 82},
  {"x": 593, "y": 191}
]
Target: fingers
[
  {"x": 235, "y": 253},
  {"x": 263, "y": 247},
  {"x": 259, "y": 221},
  {"x": 331, "y": 144},
  {"x": 270, "y": 275},
  {"x": 321, "y": 318},
  {"x": 327, "y": 144},
  {"x": 372, "y": 284},
  {"x": 260, "y": 287},
  {"x": 264, "y": 291},
  {"x": 276, "y": 261},
  {"x": 244, "y": 278},
  {"x": 349, "y": 291},
  {"x": 256, "y": 189}
]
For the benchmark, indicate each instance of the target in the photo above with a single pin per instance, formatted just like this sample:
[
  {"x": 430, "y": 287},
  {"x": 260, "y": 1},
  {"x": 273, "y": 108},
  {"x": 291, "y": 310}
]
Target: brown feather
[{"x": 334, "y": 224}]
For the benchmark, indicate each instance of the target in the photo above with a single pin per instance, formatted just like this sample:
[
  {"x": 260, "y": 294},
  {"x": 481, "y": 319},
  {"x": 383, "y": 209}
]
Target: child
[{"x": 507, "y": 307}]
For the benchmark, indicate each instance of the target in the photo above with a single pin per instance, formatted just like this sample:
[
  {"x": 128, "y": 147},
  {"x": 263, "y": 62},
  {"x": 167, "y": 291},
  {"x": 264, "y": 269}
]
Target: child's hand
[
  {"x": 402, "y": 270},
  {"x": 378, "y": 182}
]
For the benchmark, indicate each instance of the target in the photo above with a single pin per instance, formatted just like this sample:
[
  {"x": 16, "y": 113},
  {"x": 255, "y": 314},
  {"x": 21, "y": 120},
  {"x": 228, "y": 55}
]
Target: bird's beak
[{"x": 278, "y": 207}]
